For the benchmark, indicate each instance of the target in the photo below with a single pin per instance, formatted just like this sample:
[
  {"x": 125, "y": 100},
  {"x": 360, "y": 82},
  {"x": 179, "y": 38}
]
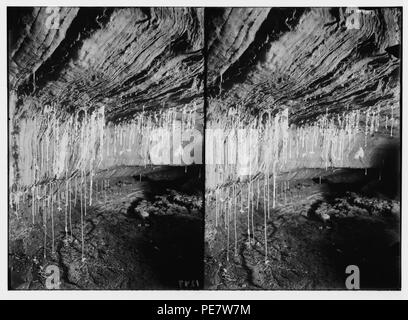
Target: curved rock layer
[
  {"x": 127, "y": 59},
  {"x": 308, "y": 59}
]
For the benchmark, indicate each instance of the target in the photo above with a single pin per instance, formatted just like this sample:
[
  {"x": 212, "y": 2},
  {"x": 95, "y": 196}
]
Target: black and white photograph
[
  {"x": 303, "y": 171},
  {"x": 204, "y": 150},
  {"x": 105, "y": 148}
]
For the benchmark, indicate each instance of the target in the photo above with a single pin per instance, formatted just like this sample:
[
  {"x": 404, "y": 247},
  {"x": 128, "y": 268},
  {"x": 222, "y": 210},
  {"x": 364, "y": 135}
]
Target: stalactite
[
  {"x": 70, "y": 207},
  {"x": 392, "y": 119},
  {"x": 84, "y": 188},
  {"x": 235, "y": 220},
  {"x": 275, "y": 147},
  {"x": 33, "y": 204},
  {"x": 82, "y": 221},
  {"x": 104, "y": 188},
  {"x": 45, "y": 226},
  {"x": 252, "y": 220},
  {"x": 257, "y": 195},
  {"x": 66, "y": 207},
  {"x": 52, "y": 220},
  {"x": 366, "y": 126},
  {"x": 226, "y": 201},
  {"x": 248, "y": 214},
  {"x": 76, "y": 190},
  {"x": 265, "y": 225},
  {"x": 216, "y": 207},
  {"x": 228, "y": 227},
  {"x": 274, "y": 185}
]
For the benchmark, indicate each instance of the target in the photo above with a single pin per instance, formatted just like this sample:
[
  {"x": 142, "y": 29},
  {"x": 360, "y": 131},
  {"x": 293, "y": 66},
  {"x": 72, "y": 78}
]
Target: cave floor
[
  {"x": 307, "y": 250},
  {"x": 134, "y": 239}
]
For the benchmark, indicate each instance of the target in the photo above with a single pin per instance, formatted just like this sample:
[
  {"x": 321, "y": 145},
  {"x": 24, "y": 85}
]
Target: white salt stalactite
[
  {"x": 392, "y": 119},
  {"x": 248, "y": 214},
  {"x": 265, "y": 225},
  {"x": 274, "y": 184},
  {"x": 235, "y": 221}
]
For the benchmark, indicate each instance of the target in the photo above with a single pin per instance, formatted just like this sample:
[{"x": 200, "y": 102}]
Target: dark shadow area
[
  {"x": 387, "y": 160},
  {"x": 365, "y": 242},
  {"x": 138, "y": 234},
  {"x": 364, "y": 222},
  {"x": 327, "y": 220},
  {"x": 86, "y": 21},
  {"x": 174, "y": 216},
  {"x": 189, "y": 180},
  {"x": 178, "y": 251},
  {"x": 278, "y": 22}
]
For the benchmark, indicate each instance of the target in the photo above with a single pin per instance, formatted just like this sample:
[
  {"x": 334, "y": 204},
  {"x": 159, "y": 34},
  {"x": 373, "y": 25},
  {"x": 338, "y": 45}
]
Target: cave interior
[{"x": 314, "y": 187}]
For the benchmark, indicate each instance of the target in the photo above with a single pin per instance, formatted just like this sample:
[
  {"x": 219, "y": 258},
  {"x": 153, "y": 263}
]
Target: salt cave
[
  {"x": 304, "y": 140},
  {"x": 92, "y": 191},
  {"x": 204, "y": 148}
]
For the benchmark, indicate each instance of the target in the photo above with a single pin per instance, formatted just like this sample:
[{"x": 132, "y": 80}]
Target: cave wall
[
  {"x": 330, "y": 63},
  {"x": 314, "y": 64},
  {"x": 49, "y": 147},
  {"x": 90, "y": 90},
  {"x": 309, "y": 59},
  {"x": 128, "y": 59},
  {"x": 271, "y": 148},
  {"x": 312, "y": 61},
  {"x": 86, "y": 81}
]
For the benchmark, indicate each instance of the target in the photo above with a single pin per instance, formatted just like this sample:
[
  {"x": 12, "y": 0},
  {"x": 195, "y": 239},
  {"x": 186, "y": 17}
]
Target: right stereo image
[{"x": 303, "y": 149}]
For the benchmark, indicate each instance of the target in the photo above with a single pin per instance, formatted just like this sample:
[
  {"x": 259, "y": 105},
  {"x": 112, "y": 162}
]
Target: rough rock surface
[
  {"x": 308, "y": 59},
  {"x": 136, "y": 237},
  {"x": 122, "y": 58},
  {"x": 315, "y": 232}
]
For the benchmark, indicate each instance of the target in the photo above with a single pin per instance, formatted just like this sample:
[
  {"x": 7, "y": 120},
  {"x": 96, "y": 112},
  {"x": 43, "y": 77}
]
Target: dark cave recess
[{"x": 141, "y": 232}]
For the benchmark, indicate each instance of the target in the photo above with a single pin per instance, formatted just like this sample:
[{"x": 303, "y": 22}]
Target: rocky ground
[
  {"x": 320, "y": 230},
  {"x": 137, "y": 236}
]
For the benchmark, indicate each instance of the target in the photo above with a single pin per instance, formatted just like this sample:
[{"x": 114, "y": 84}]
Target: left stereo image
[{"x": 106, "y": 119}]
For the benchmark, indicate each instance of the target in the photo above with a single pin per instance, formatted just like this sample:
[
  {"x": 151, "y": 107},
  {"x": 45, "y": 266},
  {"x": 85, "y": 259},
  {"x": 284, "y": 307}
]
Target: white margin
[{"x": 191, "y": 295}]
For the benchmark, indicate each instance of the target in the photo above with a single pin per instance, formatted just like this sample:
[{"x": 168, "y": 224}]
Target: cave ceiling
[
  {"x": 127, "y": 59},
  {"x": 258, "y": 59},
  {"x": 308, "y": 59}
]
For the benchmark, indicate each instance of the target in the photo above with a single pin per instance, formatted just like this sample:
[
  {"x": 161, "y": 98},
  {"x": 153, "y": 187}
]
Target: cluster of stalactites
[
  {"x": 267, "y": 144},
  {"x": 134, "y": 137},
  {"x": 240, "y": 150},
  {"x": 272, "y": 144},
  {"x": 59, "y": 156},
  {"x": 52, "y": 146},
  {"x": 236, "y": 204}
]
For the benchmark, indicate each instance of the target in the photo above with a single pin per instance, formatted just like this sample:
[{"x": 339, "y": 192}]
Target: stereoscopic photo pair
[{"x": 204, "y": 148}]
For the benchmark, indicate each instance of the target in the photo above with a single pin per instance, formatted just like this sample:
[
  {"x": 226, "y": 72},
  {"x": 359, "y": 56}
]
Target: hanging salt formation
[
  {"x": 274, "y": 147},
  {"x": 60, "y": 153},
  {"x": 392, "y": 119},
  {"x": 261, "y": 158},
  {"x": 265, "y": 223},
  {"x": 50, "y": 150}
]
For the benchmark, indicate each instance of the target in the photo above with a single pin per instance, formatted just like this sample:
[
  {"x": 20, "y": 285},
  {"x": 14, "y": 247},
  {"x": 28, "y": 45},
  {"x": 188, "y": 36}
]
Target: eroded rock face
[
  {"x": 231, "y": 31},
  {"x": 126, "y": 59},
  {"x": 306, "y": 62},
  {"x": 68, "y": 64},
  {"x": 308, "y": 59}
]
